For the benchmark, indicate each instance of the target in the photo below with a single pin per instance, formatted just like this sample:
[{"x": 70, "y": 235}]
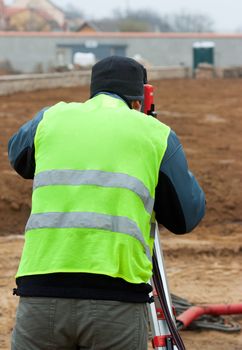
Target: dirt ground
[{"x": 204, "y": 266}]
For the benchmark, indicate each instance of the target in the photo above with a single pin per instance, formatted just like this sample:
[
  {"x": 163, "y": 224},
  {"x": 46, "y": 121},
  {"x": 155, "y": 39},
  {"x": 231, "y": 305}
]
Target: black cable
[{"x": 162, "y": 298}]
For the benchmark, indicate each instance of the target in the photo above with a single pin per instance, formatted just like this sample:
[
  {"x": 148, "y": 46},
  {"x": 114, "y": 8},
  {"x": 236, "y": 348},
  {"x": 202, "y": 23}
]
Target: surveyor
[{"x": 102, "y": 171}]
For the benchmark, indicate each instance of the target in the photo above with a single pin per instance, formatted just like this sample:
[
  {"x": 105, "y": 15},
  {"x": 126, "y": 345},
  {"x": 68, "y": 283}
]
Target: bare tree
[
  {"x": 130, "y": 25},
  {"x": 74, "y": 17},
  {"x": 191, "y": 22},
  {"x": 148, "y": 20}
]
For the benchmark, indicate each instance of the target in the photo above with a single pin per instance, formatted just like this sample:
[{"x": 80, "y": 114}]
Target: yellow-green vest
[{"x": 97, "y": 166}]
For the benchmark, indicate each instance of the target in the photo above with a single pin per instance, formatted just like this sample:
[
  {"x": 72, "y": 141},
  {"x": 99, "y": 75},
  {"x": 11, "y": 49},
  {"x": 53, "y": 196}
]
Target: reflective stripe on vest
[
  {"x": 88, "y": 220},
  {"x": 96, "y": 178}
]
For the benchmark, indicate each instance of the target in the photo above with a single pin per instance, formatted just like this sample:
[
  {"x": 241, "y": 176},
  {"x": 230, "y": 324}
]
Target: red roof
[
  {"x": 144, "y": 35},
  {"x": 11, "y": 11}
]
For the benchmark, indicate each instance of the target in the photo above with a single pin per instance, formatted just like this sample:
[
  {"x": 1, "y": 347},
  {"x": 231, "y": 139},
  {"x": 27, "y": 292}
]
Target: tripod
[{"x": 162, "y": 321}]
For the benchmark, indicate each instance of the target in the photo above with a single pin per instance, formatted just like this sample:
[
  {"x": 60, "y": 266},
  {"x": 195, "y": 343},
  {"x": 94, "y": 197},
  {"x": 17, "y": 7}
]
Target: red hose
[{"x": 191, "y": 314}]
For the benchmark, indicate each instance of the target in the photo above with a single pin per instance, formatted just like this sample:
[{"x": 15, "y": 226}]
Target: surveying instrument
[{"x": 165, "y": 335}]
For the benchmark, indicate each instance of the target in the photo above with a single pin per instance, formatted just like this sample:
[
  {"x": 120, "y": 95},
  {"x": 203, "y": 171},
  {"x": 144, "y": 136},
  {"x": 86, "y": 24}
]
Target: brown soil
[{"x": 203, "y": 267}]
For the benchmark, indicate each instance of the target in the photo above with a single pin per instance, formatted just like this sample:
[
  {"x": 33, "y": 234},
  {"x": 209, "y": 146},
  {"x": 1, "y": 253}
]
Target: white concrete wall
[{"x": 27, "y": 51}]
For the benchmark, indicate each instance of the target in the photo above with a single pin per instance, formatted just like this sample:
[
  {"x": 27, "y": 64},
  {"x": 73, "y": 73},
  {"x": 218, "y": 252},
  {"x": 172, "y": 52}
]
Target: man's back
[{"x": 97, "y": 168}]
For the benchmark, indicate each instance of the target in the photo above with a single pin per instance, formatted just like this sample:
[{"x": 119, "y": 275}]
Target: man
[{"x": 102, "y": 170}]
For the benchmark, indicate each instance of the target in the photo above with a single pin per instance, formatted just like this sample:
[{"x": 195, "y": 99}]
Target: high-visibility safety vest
[{"x": 97, "y": 166}]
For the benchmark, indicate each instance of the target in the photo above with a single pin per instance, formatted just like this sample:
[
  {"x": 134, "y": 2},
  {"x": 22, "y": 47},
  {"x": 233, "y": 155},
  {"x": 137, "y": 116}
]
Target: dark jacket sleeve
[
  {"x": 179, "y": 200},
  {"x": 21, "y": 147}
]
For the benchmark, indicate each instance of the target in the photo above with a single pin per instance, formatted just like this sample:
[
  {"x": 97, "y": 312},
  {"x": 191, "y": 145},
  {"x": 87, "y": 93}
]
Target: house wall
[
  {"x": 27, "y": 18},
  {"x": 26, "y": 51},
  {"x": 44, "y": 5}
]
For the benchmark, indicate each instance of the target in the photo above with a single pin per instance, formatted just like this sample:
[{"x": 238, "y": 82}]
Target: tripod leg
[
  {"x": 160, "y": 281},
  {"x": 161, "y": 264}
]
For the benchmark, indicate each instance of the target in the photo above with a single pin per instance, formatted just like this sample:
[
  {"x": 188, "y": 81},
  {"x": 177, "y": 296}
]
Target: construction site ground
[{"x": 204, "y": 266}]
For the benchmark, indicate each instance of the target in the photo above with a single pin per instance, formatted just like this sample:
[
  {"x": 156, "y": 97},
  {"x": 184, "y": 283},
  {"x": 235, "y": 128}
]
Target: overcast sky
[{"x": 227, "y": 14}]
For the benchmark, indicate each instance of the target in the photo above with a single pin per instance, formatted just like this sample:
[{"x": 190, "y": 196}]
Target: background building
[
  {"x": 32, "y": 15},
  {"x": 30, "y": 51}
]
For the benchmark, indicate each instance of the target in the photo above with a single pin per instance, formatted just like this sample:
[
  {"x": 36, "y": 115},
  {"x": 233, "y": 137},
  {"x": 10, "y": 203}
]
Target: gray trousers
[{"x": 74, "y": 324}]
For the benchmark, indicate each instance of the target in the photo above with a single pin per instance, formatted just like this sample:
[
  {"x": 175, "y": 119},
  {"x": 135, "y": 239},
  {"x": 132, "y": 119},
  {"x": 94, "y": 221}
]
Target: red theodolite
[{"x": 149, "y": 106}]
